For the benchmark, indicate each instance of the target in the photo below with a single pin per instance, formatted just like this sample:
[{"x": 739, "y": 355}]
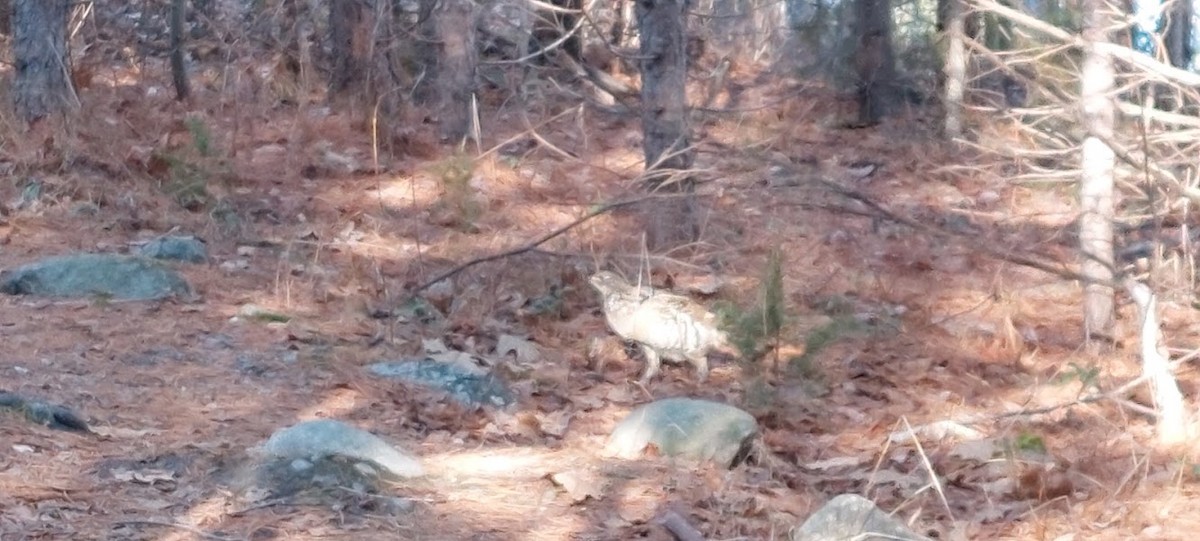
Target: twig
[
  {"x": 608, "y": 207},
  {"x": 1035, "y": 261},
  {"x": 933, "y": 475}
]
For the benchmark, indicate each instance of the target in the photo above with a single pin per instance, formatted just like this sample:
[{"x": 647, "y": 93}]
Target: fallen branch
[
  {"x": 608, "y": 207},
  {"x": 976, "y": 242},
  {"x": 1172, "y": 415},
  {"x": 679, "y": 527}
]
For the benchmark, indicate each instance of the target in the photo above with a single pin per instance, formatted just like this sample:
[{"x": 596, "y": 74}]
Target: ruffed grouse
[{"x": 667, "y": 326}]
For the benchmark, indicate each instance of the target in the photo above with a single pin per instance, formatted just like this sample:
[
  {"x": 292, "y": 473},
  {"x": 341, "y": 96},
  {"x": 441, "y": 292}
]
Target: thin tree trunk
[
  {"x": 42, "y": 85},
  {"x": 874, "y": 61},
  {"x": 178, "y": 68},
  {"x": 1097, "y": 183},
  {"x": 346, "y": 45},
  {"x": 6, "y": 17},
  {"x": 427, "y": 52},
  {"x": 951, "y": 19}
]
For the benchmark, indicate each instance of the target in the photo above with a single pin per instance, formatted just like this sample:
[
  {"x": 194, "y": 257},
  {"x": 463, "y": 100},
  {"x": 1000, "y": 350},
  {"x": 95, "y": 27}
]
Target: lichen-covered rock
[
  {"x": 470, "y": 388},
  {"x": 686, "y": 427},
  {"x": 176, "y": 247},
  {"x": 851, "y": 516},
  {"x": 83, "y": 275},
  {"x": 322, "y": 438}
]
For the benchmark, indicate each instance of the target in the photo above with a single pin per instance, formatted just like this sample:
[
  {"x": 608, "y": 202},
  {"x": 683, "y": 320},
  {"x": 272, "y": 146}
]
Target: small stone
[
  {"x": 987, "y": 198},
  {"x": 234, "y": 265},
  {"x": 268, "y": 154}
]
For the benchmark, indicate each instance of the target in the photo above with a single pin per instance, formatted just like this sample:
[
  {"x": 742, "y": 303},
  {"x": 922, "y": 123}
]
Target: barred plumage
[{"x": 665, "y": 325}]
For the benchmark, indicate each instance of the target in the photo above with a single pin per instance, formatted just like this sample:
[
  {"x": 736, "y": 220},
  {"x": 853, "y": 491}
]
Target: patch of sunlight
[
  {"x": 403, "y": 191},
  {"x": 490, "y": 463},
  {"x": 333, "y": 406}
]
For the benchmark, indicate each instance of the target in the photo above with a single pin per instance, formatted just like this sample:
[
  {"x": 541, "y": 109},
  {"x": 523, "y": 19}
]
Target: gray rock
[
  {"x": 44, "y": 413},
  {"x": 851, "y": 516},
  {"x": 176, "y": 247},
  {"x": 321, "y": 438},
  {"x": 468, "y": 388},
  {"x": 686, "y": 427},
  {"x": 83, "y": 275}
]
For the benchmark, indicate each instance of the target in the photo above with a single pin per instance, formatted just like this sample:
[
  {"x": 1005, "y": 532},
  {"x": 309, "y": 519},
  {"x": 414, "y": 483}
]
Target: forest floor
[{"x": 889, "y": 327}]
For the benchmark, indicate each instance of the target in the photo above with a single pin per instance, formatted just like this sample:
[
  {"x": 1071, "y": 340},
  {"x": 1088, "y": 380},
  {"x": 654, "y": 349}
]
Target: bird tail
[{"x": 724, "y": 346}]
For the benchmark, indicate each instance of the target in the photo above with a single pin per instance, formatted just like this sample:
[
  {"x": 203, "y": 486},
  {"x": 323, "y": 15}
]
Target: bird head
[{"x": 608, "y": 283}]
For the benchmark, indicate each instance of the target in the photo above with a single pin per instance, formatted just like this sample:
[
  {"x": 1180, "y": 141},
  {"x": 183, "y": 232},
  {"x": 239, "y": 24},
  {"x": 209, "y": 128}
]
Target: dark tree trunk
[
  {"x": 1179, "y": 33},
  {"x": 427, "y": 53},
  {"x": 666, "y": 137},
  {"x": 347, "y": 45},
  {"x": 550, "y": 26},
  {"x": 178, "y": 69},
  {"x": 6, "y": 17},
  {"x": 874, "y": 61},
  {"x": 619, "y": 33},
  {"x": 455, "y": 21},
  {"x": 42, "y": 85},
  {"x": 663, "y": 54}
]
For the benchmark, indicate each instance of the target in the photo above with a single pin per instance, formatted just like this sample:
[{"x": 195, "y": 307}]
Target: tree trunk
[
  {"x": 951, "y": 20},
  {"x": 455, "y": 21},
  {"x": 178, "y": 68},
  {"x": 1097, "y": 184},
  {"x": 42, "y": 85},
  {"x": 874, "y": 60},
  {"x": 1178, "y": 39},
  {"x": 427, "y": 53},
  {"x": 666, "y": 137},
  {"x": 6, "y": 17},
  {"x": 552, "y": 25},
  {"x": 347, "y": 45}
]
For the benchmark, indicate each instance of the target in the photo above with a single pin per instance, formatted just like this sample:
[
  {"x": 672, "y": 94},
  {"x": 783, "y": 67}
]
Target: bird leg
[
  {"x": 700, "y": 361},
  {"x": 653, "y": 362}
]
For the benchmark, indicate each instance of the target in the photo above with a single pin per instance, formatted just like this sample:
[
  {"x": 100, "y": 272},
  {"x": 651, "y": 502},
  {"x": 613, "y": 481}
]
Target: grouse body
[{"x": 665, "y": 325}]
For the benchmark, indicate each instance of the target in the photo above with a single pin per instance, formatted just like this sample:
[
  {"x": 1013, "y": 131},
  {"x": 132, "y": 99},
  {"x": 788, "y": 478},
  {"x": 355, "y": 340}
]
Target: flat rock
[
  {"x": 176, "y": 247},
  {"x": 684, "y": 427},
  {"x": 470, "y": 388},
  {"x": 323, "y": 438},
  {"x": 83, "y": 275},
  {"x": 850, "y": 516}
]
